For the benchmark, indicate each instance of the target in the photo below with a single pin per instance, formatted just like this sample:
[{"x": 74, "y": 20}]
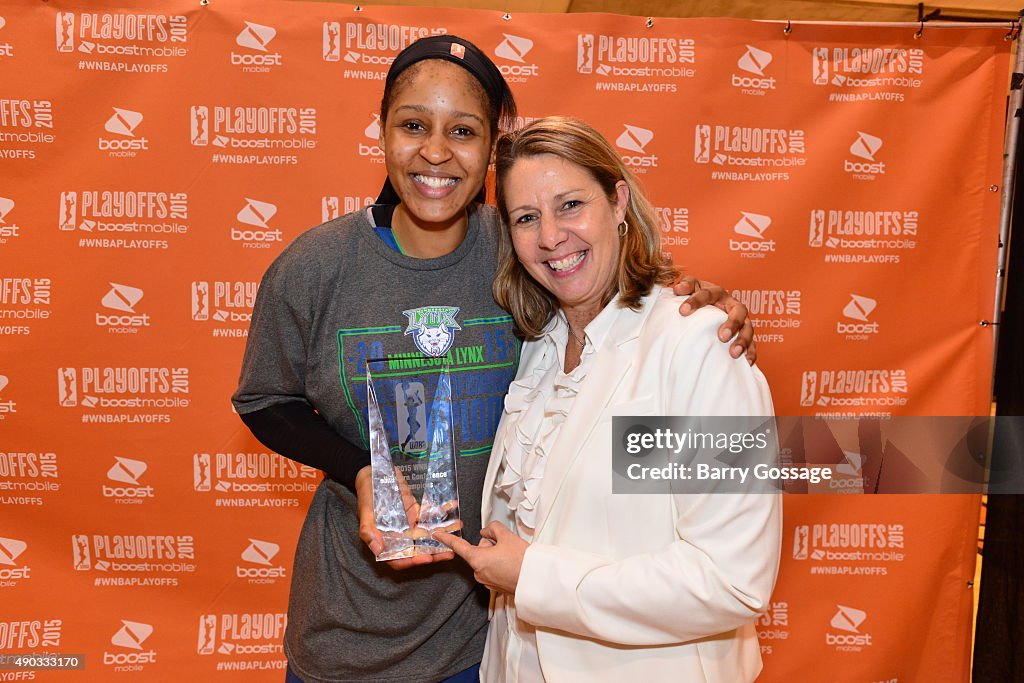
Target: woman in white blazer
[{"x": 590, "y": 585}]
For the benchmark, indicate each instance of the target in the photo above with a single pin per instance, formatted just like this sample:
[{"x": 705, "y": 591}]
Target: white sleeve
[{"x": 720, "y": 572}]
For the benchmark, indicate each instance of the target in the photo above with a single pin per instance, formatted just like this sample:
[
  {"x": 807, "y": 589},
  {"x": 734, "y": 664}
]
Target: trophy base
[{"x": 412, "y": 542}]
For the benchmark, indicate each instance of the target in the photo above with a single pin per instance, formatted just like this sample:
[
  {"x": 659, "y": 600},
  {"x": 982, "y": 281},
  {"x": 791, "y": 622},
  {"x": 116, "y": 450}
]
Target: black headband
[{"x": 457, "y": 51}]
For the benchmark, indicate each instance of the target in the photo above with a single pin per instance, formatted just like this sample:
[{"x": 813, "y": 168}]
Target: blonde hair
[{"x": 641, "y": 264}]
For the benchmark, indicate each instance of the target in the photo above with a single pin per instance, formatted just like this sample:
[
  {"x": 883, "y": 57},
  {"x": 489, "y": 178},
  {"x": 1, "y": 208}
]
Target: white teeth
[
  {"x": 567, "y": 263},
  {"x": 431, "y": 181}
]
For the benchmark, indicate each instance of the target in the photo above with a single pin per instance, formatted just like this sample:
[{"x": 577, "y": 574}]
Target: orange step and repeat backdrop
[{"x": 844, "y": 181}]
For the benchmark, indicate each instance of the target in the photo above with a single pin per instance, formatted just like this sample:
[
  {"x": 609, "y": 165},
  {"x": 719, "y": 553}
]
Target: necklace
[{"x": 578, "y": 340}]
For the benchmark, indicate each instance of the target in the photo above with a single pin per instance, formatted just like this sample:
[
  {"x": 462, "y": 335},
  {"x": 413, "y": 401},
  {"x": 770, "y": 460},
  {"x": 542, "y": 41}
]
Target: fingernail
[
  {"x": 686, "y": 309},
  {"x": 737, "y": 351}
]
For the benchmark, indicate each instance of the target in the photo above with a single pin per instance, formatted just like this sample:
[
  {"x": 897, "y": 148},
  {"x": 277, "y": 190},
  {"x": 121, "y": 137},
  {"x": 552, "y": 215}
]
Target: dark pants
[{"x": 470, "y": 675}]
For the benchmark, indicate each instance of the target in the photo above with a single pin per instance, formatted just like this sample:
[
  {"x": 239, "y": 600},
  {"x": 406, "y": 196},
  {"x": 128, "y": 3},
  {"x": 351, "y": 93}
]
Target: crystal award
[{"x": 415, "y": 490}]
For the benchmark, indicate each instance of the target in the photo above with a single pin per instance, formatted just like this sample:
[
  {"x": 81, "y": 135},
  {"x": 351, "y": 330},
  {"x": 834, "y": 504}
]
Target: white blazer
[{"x": 641, "y": 588}]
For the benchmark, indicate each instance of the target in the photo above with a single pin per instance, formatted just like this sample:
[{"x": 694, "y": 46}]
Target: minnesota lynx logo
[{"x": 433, "y": 328}]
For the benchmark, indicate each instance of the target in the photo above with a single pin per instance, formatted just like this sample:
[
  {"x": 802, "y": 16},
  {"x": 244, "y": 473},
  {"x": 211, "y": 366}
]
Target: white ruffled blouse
[{"x": 536, "y": 407}]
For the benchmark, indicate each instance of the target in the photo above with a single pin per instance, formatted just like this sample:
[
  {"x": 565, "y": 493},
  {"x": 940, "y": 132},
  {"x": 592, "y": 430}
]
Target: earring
[{"x": 623, "y": 228}]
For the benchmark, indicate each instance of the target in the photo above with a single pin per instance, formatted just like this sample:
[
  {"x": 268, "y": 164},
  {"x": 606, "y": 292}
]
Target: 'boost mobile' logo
[
  {"x": 636, "y": 139},
  {"x": 256, "y": 37},
  {"x": 372, "y": 132},
  {"x": 122, "y": 298},
  {"x": 514, "y": 48},
  {"x": 261, "y": 553},
  {"x": 752, "y": 225},
  {"x": 10, "y": 550},
  {"x": 10, "y": 572},
  {"x": 131, "y": 636},
  {"x": 859, "y": 308},
  {"x": 849, "y": 620},
  {"x": 127, "y": 471},
  {"x": 754, "y": 61},
  {"x": 256, "y": 214},
  {"x": 5, "y": 208},
  {"x": 123, "y": 123},
  {"x": 7, "y": 229},
  {"x": 865, "y": 147}
]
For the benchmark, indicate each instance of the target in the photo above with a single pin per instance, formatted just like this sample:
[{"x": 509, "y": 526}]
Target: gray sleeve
[{"x": 274, "y": 365}]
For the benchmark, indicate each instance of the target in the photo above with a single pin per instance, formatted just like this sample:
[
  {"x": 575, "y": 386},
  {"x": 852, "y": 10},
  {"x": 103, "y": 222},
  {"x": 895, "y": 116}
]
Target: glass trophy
[{"x": 414, "y": 485}]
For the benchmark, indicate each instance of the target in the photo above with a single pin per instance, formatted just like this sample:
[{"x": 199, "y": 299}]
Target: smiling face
[
  {"x": 437, "y": 143},
  {"x": 564, "y": 229}
]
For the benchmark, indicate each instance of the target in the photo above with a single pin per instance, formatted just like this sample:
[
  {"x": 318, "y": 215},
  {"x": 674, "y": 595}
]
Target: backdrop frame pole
[{"x": 1016, "y": 98}]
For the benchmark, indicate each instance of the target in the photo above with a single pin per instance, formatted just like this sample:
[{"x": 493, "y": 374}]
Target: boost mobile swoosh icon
[
  {"x": 865, "y": 146},
  {"x": 853, "y": 465},
  {"x": 752, "y": 225},
  {"x": 3, "y": 382},
  {"x": 513, "y": 48},
  {"x": 848, "y": 619},
  {"x": 256, "y": 213},
  {"x": 122, "y": 297},
  {"x": 859, "y": 308},
  {"x": 256, "y": 36},
  {"x": 372, "y": 131},
  {"x": 754, "y": 60},
  {"x": 260, "y": 552},
  {"x": 123, "y": 122},
  {"x": 5, "y": 207},
  {"x": 634, "y": 138},
  {"x": 126, "y": 470},
  {"x": 132, "y": 635},
  {"x": 10, "y": 549}
]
